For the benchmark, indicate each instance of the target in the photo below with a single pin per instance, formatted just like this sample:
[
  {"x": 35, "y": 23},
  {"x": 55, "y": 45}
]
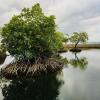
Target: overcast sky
[{"x": 71, "y": 15}]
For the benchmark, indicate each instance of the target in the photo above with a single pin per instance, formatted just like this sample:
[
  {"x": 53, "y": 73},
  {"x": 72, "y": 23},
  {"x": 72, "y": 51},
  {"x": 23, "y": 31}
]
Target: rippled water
[{"x": 79, "y": 80}]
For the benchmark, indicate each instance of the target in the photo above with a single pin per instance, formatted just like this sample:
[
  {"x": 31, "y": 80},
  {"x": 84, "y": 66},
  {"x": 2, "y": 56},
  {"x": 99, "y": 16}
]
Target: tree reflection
[
  {"x": 79, "y": 62},
  {"x": 45, "y": 88}
]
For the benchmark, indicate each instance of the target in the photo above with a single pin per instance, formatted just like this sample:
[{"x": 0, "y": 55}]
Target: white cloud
[{"x": 72, "y": 15}]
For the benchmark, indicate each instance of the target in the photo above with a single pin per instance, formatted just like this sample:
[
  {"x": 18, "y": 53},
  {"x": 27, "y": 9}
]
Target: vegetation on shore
[
  {"x": 77, "y": 38},
  {"x": 32, "y": 38},
  {"x": 32, "y": 35},
  {"x": 2, "y": 54}
]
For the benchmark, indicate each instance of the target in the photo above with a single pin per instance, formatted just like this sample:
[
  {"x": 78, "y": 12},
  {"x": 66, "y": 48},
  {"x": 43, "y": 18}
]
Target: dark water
[{"x": 79, "y": 80}]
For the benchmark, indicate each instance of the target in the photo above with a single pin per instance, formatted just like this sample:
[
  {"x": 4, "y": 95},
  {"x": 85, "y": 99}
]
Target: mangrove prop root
[{"x": 25, "y": 69}]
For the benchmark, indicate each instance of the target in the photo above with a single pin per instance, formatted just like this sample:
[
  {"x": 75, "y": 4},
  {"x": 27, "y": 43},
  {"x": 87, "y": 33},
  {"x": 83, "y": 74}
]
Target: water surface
[{"x": 79, "y": 80}]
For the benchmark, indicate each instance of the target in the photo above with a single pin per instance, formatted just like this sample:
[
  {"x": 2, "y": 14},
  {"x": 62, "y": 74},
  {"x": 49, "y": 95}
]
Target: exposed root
[{"x": 25, "y": 69}]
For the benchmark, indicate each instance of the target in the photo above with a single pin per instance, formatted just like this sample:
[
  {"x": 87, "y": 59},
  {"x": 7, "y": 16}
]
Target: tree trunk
[{"x": 76, "y": 43}]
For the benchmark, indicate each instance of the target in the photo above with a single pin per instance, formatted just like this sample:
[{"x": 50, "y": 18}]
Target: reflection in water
[
  {"x": 82, "y": 85},
  {"x": 71, "y": 84},
  {"x": 45, "y": 88},
  {"x": 79, "y": 62}
]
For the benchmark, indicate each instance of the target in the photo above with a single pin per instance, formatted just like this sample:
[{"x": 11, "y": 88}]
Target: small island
[{"x": 32, "y": 39}]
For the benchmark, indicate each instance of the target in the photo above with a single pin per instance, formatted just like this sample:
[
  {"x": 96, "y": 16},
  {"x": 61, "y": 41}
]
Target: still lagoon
[{"x": 78, "y": 80}]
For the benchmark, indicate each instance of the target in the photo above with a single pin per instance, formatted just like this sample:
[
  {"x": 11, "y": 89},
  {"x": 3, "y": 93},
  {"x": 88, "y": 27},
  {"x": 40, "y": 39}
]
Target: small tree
[
  {"x": 77, "y": 38},
  {"x": 31, "y": 34}
]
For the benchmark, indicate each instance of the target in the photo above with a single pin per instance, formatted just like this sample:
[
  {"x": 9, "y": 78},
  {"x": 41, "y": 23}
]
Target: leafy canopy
[
  {"x": 31, "y": 34},
  {"x": 81, "y": 37}
]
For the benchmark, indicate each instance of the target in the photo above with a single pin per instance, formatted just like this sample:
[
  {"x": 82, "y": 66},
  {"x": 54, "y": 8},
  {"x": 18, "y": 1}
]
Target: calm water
[{"x": 79, "y": 80}]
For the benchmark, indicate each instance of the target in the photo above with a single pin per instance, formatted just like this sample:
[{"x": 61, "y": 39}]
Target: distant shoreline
[{"x": 87, "y": 46}]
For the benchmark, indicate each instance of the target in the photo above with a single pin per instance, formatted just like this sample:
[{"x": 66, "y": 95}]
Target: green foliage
[
  {"x": 59, "y": 38},
  {"x": 31, "y": 34},
  {"x": 2, "y": 50},
  {"x": 0, "y": 29},
  {"x": 66, "y": 38},
  {"x": 79, "y": 38}
]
